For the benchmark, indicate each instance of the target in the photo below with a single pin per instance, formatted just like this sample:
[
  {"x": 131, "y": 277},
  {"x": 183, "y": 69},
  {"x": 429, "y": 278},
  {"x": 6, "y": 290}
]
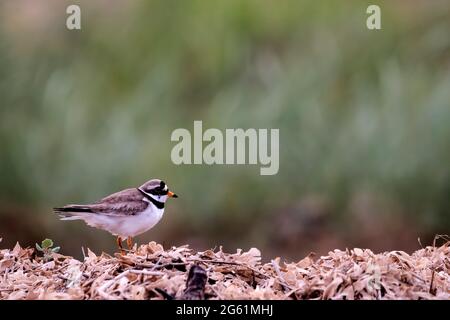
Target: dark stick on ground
[{"x": 195, "y": 284}]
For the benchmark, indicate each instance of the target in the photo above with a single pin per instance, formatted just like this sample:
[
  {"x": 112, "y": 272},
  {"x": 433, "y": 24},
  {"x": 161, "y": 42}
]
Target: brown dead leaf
[{"x": 144, "y": 272}]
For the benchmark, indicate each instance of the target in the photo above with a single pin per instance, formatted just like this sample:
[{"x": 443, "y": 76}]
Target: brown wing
[
  {"x": 123, "y": 203},
  {"x": 131, "y": 194},
  {"x": 128, "y": 202}
]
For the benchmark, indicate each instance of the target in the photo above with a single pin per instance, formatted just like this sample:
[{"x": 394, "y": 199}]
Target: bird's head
[{"x": 158, "y": 190}]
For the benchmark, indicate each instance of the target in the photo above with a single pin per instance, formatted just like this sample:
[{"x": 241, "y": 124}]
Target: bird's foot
[
  {"x": 130, "y": 243},
  {"x": 119, "y": 244}
]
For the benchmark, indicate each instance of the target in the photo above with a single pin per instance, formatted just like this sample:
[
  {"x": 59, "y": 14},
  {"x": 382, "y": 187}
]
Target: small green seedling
[{"x": 46, "y": 248}]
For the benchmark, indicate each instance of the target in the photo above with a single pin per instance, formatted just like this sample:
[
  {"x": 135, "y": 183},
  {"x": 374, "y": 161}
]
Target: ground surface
[{"x": 150, "y": 272}]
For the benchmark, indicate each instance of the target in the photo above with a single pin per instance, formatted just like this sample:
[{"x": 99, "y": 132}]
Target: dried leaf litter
[{"x": 150, "y": 272}]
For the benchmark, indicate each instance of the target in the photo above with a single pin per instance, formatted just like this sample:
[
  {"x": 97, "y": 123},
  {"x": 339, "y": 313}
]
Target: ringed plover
[{"x": 126, "y": 213}]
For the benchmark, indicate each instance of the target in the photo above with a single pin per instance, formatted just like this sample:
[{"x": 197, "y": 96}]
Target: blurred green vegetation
[{"x": 363, "y": 115}]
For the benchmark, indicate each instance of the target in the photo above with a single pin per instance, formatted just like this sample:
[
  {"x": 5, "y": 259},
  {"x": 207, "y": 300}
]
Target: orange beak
[{"x": 170, "y": 194}]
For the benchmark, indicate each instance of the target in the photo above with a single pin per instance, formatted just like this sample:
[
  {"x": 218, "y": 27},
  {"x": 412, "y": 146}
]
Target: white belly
[{"x": 128, "y": 226}]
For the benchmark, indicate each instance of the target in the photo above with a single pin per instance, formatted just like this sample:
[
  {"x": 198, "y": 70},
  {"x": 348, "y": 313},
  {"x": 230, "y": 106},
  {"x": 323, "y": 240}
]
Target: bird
[{"x": 126, "y": 213}]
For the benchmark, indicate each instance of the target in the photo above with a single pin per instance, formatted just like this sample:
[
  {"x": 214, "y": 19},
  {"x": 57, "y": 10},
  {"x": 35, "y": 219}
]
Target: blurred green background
[{"x": 364, "y": 119}]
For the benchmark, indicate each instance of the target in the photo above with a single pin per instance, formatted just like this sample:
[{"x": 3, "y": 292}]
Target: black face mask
[
  {"x": 157, "y": 203},
  {"x": 159, "y": 191}
]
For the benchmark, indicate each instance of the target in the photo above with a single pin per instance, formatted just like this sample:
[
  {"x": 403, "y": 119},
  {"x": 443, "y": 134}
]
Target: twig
[
  {"x": 418, "y": 278},
  {"x": 432, "y": 290},
  {"x": 230, "y": 263},
  {"x": 120, "y": 276},
  {"x": 420, "y": 242},
  {"x": 156, "y": 264},
  {"x": 147, "y": 272},
  {"x": 59, "y": 269},
  {"x": 287, "y": 295},
  {"x": 102, "y": 288},
  {"x": 441, "y": 236},
  {"x": 165, "y": 295},
  {"x": 280, "y": 278}
]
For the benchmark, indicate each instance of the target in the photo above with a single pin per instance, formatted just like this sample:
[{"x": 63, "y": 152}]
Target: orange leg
[
  {"x": 130, "y": 242},
  {"x": 119, "y": 243}
]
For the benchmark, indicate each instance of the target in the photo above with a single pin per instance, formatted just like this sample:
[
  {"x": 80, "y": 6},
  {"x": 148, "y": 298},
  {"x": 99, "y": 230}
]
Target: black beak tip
[{"x": 174, "y": 196}]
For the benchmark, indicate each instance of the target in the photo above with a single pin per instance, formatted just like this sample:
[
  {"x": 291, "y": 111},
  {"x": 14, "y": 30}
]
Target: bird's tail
[{"x": 73, "y": 212}]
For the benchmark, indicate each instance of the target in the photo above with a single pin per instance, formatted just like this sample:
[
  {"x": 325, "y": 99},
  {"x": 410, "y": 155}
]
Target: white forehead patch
[{"x": 165, "y": 188}]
